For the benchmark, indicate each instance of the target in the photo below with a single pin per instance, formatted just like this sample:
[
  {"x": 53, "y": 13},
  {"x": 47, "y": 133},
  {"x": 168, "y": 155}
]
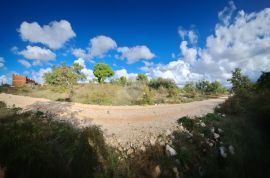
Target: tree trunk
[{"x": 70, "y": 95}]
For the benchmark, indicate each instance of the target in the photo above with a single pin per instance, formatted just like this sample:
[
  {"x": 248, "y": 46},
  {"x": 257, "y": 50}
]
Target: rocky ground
[{"x": 126, "y": 127}]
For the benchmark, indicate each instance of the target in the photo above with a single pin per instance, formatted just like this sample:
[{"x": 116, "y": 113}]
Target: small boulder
[
  {"x": 157, "y": 171},
  {"x": 162, "y": 143},
  {"x": 202, "y": 124},
  {"x": 143, "y": 148},
  {"x": 231, "y": 149},
  {"x": 216, "y": 136},
  {"x": 152, "y": 141},
  {"x": 168, "y": 132},
  {"x": 170, "y": 151},
  {"x": 175, "y": 170},
  {"x": 130, "y": 151},
  {"x": 220, "y": 130},
  {"x": 222, "y": 152}
]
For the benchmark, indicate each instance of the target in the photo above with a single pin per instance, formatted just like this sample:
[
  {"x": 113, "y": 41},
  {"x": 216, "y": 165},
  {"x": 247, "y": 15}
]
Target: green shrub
[
  {"x": 264, "y": 81},
  {"x": 146, "y": 96},
  {"x": 120, "y": 81},
  {"x": 3, "y": 104},
  {"x": 231, "y": 106},
  {"x": 187, "y": 122},
  {"x": 207, "y": 87},
  {"x": 161, "y": 82},
  {"x": 240, "y": 83},
  {"x": 142, "y": 78}
]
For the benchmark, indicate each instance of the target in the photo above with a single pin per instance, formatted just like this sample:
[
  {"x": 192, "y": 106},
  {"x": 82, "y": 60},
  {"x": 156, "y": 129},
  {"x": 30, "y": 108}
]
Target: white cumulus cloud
[
  {"x": 179, "y": 71},
  {"x": 241, "y": 41},
  {"x": 124, "y": 73},
  {"x": 25, "y": 63},
  {"x": 80, "y": 53},
  {"x": 135, "y": 54},
  {"x": 190, "y": 35},
  {"x": 87, "y": 72},
  {"x": 226, "y": 14},
  {"x": 38, "y": 54},
  {"x": 54, "y": 35},
  {"x": 38, "y": 75},
  {"x": 100, "y": 45}
]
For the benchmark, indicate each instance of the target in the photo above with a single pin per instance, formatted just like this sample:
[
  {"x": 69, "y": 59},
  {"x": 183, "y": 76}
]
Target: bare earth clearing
[{"x": 123, "y": 125}]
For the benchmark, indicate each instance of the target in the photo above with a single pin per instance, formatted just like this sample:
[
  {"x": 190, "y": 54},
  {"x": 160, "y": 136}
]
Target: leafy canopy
[
  {"x": 264, "y": 81},
  {"x": 239, "y": 81},
  {"x": 161, "y": 82},
  {"x": 64, "y": 75},
  {"x": 210, "y": 87},
  {"x": 102, "y": 71}
]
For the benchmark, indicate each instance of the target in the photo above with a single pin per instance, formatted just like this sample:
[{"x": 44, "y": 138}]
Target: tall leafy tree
[
  {"x": 102, "y": 71},
  {"x": 240, "y": 82},
  {"x": 64, "y": 76},
  {"x": 264, "y": 81}
]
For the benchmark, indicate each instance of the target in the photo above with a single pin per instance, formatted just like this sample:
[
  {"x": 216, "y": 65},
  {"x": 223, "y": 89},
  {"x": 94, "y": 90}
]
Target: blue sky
[{"x": 181, "y": 40}]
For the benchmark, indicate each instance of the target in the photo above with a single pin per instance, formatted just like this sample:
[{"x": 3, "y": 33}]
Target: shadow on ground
[{"x": 61, "y": 111}]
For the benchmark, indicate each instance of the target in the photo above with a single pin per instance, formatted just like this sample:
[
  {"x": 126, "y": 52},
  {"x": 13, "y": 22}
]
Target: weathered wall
[{"x": 18, "y": 81}]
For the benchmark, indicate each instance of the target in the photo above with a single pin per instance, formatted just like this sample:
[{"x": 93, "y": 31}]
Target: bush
[
  {"x": 142, "y": 78},
  {"x": 231, "y": 106},
  {"x": 190, "y": 89},
  {"x": 32, "y": 145},
  {"x": 120, "y": 81},
  {"x": 240, "y": 83},
  {"x": 146, "y": 97},
  {"x": 207, "y": 87},
  {"x": 161, "y": 82},
  {"x": 264, "y": 81},
  {"x": 187, "y": 122}
]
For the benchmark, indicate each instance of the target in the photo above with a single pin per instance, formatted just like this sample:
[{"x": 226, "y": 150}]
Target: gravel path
[{"x": 121, "y": 124}]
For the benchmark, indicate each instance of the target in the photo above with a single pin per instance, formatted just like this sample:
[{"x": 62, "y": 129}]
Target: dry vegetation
[{"x": 135, "y": 93}]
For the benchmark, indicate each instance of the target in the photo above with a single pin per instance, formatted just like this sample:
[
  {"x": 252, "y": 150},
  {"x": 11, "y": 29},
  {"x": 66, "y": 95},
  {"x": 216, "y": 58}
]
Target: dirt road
[{"x": 123, "y": 123}]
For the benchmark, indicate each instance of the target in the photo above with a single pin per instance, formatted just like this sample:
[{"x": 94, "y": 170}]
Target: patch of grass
[{"x": 187, "y": 122}]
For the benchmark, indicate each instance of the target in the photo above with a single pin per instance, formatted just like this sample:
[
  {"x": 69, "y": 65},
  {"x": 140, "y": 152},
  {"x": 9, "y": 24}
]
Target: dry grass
[{"x": 109, "y": 94}]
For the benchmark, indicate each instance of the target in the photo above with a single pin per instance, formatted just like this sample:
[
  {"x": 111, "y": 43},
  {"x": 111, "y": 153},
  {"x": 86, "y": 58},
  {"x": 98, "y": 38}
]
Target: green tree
[
  {"x": 142, "y": 78},
  {"x": 64, "y": 76},
  {"x": 102, "y": 71},
  {"x": 216, "y": 87},
  {"x": 240, "y": 83},
  {"x": 264, "y": 81},
  {"x": 203, "y": 86},
  {"x": 207, "y": 87},
  {"x": 161, "y": 82}
]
